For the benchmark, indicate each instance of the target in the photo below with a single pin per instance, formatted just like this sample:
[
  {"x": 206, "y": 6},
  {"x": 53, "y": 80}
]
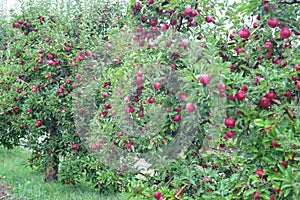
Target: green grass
[{"x": 28, "y": 184}]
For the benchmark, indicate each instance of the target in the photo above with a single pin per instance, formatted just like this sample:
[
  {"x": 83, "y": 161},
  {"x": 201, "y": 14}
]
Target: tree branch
[{"x": 289, "y": 2}]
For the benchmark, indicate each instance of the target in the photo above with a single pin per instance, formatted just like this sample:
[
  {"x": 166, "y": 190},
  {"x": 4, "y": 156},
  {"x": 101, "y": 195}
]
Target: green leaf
[{"x": 260, "y": 123}]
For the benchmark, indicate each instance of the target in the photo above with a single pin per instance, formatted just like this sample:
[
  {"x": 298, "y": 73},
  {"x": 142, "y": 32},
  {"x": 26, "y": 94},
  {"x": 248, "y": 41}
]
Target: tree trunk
[{"x": 52, "y": 170}]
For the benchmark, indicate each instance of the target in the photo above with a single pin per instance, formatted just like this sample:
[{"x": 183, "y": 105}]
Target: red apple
[
  {"x": 29, "y": 110},
  {"x": 268, "y": 45},
  {"x": 164, "y": 27},
  {"x": 241, "y": 95},
  {"x": 190, "y": 107},
  {"x": 188, "y": 11},
  {"x": 231, "y": 97},
  {"x": 229, "y": 122},
  {"x": 139, "y": 80},
  {"x": 265, "y": 102},
  {"x": 259, "y": 172},
  {"x": 270, "y": 95},
  {"x": 209, "y": 19},
  {"x": 288, "y": 93},
  {"x": 273, "y": 22},
  {"x": 177, "y": 118},
  {"x": 285, "y": 33},
  {"x": 151, "y": 100},
  {"x": 194, "y": 13},
  {"x": 16, "y": 25},
  {"x": 156, "y": 86},
  {"x": 244, "y": 33},
  {"x": 229, "y": 134},
  {"x": 205, "y": 79},
  {"x": 257, "y": 195},
  {"x": 150, "y": 2},
  {"x": 157, "y": 195}
]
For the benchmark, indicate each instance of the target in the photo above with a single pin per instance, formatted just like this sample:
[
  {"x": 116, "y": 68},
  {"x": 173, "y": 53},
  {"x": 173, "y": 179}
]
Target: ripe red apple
[
  {"x": 177, "y": 118},
  {"x": 194, "y": 13},
  {"x": 104, "y": 94},
  {"x": 153, "y": 22},
  {"x": 241, "y": 95},
  {"x": 273, "y": 22},
  {"x": 156, "y": 86},
  {"x": 178, "y": 109},
  {"x": 268, "y": 45},
  {"x": 154, "y": 29},
  {"x": 29, "y": 110},
  {"x": 270, "y": 95},
  {"x": 190, "y": 107},
  {"x": 150, "y": 2},
  {"x": 285, "y": 33},
  {"x": 288, "y": 93},
  {"x": 188, "y": 11},
  {"x": 229, "y": 134},
  {"x": 151, "y": 100},
  {"x": 34, "y": 88},
  {"x": 137, "y": 6},
  {"x": 244, "y": 88},
  {"x": 173, "y": 22},
  {"x": 229, "y": 122},
  {"x": 283, "y": 163},
  {"x": 139, "y": 29},
  {"x": 240, "y": 50},
  {"x": 68, "y": 48},
  {"x": 100, "y": 183},
  {"x": 139, "y": 80},
  {"x": 205, "y": 180},
  {"x": 75, "y": 146},
  {"x": 259, "y": 172},
  {"x": 297, "y": 68},
  {"x": 274, "y": 144},
  {"x": 205, "y": 79},
  {"x": 157, "y": 195},
  {"x": 221, "y": 88},
  {"x": 231, "y": 97},
  {"x": 244, "y": 33},
  {"x": 209, "y": 19},
  {"x": 164, "y": 27},
  {"x": 257, "y": 195},
  {"x": 258, "y": 17},
  {"x": 265, "y": 102},
  {"x": 16, "y": 25}
]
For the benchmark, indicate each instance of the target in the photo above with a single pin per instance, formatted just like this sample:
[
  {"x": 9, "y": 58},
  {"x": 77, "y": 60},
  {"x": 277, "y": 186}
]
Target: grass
[{"x": 26, "y": 184}]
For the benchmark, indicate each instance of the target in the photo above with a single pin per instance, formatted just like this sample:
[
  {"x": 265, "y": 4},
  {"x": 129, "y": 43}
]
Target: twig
[
  {"x": 180, "y": 23},
  {"x": 289, "y": 2},
  {"x": 289, "y": 111},
  {"x": 180, "y": 191}
]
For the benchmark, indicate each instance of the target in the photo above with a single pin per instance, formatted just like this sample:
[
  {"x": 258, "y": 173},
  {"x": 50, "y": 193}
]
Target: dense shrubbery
[{"x": 81, "y": 79}]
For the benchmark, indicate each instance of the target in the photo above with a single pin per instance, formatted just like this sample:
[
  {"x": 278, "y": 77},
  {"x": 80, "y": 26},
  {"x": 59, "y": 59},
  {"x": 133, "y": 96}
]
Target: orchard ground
[{"x": 20, "y": 182}]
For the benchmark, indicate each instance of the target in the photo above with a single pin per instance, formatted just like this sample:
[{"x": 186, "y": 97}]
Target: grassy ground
[{"x": 26, "y": 184}]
